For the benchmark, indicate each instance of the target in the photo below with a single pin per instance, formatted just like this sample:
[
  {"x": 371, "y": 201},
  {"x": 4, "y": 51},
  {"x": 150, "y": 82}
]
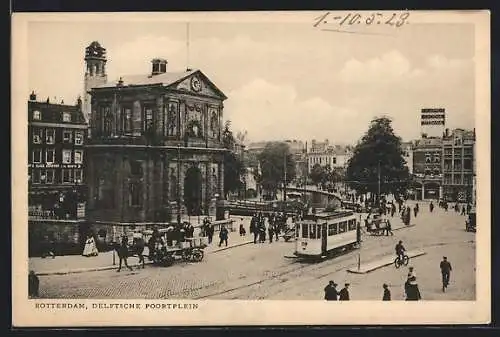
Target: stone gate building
[{"x": 156, "y": 146}]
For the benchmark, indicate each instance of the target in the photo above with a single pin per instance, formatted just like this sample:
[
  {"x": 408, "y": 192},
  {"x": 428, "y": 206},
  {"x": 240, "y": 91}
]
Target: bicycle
[{"x": 398, "y": 262}]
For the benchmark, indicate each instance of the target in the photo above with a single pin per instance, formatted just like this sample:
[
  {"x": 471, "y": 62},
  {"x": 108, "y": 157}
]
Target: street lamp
[{"x": 178, "y": 184}]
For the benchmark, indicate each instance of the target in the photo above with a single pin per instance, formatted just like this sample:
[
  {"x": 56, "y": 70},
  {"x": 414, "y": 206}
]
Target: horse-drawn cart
[{"x": 164, "y": 253}]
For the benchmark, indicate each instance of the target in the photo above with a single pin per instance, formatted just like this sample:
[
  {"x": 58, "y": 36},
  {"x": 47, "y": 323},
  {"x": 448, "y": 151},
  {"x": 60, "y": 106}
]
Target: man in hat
[
  {"x": 387, "y": 293},
  {"x": 344, "y": 293},
  {"x": 445, "y": 266},
  {"x": 331, "y": 291}
]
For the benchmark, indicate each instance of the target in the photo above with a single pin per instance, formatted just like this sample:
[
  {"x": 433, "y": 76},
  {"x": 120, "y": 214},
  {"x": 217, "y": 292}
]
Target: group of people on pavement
[
  {"x": 331, "y": 293},
  {"x": 276, "y": 223}
]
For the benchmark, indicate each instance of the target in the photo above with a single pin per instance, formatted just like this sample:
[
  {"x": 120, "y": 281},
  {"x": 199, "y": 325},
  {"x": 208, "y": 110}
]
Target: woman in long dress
[{"x": 90, "y": 248}]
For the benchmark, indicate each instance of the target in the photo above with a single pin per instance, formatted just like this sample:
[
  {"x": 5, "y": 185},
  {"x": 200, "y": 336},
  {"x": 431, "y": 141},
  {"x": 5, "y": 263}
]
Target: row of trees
[{"x": 377, "y": 164}]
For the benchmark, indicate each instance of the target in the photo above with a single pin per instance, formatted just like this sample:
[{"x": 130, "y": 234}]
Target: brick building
[
  {"x": 56, "y": 138},
  {"x": 427, "y": 168},
  {"x": 458, "y": 165},
  {"x": 156, "y": 146}
]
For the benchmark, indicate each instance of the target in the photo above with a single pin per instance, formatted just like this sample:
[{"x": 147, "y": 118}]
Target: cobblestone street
[{"x": 261, "y": 271}]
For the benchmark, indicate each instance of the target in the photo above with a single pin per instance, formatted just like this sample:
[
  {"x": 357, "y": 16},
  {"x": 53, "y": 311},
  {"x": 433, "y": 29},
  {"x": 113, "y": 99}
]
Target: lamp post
[{"x": 178, "y": 184}]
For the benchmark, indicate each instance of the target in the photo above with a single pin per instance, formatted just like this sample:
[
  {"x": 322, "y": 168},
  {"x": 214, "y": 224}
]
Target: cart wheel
[
  {"x": 168, "y": 260},
  {"x": 197, "y": 255},
  {"x": 397, "y": 262}
]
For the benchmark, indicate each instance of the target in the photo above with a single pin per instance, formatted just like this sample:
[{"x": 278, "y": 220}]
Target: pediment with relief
[{"x": 197, "y": 83}]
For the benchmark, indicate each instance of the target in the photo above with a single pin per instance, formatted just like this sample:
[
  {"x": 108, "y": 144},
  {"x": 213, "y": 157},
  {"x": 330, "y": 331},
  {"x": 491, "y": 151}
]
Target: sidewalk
[
  {"x": 71, "y": 264},
  {"x": 385, "y": 261}
]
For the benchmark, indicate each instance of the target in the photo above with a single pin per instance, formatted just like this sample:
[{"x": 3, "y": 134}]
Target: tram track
[{"x": 306, "y": 272}]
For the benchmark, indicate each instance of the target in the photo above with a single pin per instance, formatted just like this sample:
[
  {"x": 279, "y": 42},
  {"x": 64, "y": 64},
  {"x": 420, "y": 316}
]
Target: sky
[{"x": 282, "y": 80}]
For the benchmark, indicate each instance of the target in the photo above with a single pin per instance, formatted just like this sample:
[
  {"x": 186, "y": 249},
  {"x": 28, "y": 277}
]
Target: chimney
[
  {"x": 447, "y": 132},
  {"x": 159, "y": 66},
  {"x": 33, "y": 96}
]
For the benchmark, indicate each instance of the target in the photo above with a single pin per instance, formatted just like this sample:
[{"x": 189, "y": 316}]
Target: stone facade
[{"x": 156, "y": 147}]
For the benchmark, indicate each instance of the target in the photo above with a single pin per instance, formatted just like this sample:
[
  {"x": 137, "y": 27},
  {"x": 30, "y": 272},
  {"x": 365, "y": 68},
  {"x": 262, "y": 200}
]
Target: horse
[{"x": 136, "y": 249}]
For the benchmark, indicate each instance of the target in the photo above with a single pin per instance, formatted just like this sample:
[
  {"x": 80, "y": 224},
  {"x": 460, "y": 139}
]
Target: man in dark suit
[
  {"x": 344, "y": 293},
  {"x": 331, "y": 291},
  {"x": 387, "y": 293}
]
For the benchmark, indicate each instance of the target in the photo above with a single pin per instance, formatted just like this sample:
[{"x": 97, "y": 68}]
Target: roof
[
  {"x": 428, "y": 142},
  {"x": 164, "y": 79}
]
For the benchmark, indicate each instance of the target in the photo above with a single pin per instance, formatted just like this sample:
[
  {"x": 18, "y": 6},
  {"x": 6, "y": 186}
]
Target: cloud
[
  {"x": 273, "y": 111},
  {"x": 391, "y": 66}
]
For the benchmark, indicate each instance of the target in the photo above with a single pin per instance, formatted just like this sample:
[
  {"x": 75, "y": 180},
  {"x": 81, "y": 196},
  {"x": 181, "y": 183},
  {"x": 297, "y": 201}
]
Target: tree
[
  {"x": 234, "y": 168},
  {"x": 378, "y": 152},
  {"x": 272, "y": 166},
  {"x": 317, "y": 173}
]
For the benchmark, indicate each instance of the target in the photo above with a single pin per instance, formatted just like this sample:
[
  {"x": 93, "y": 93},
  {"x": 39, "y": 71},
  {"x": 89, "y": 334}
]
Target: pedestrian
[
  {"x": 331, "y": 291},
  {"x": 270, "y": 230},
  {"x": 411, "y": 285},
  {"x": 469, "y": 208},
  {"x": 90, "y": 248},
  {"x": 388, "y": 228},
  {"x": 262, "y": 231},
  {"x": 123, "y": 253},
  {"x": 393, "y": 209},
  {"x": 210, "y": 232},
  {"x": 223, "y": 235},
  {"x": 254, "y": 229},
  {"x": 243, "y": 232},
  {"x": 358, "y": 233},
  {"x": 33, "y": 284},
  {"x": 415, "y": 211},
  {"x": 431, "y": 207},
  {"x": 463, "y": 210},
  {"x": 457, "y": 208},
  {"x": 387, "y": 293},
  {"x": 408, "y": 216},
  {"x": 417, "y": 207},
  {"x": 344, "y": 293},
  {"x": 277, "y": 231},
  {"x": 446, "y": 269}
]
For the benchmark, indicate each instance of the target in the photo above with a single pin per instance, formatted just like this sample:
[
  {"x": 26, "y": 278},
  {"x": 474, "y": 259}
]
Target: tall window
[
  {"x": 78, "y": 138},
  {"x": 447, "y": 179},
  {"x": 67, "y": 176},
  {"x": 108, "y": 122},
  {"x": 457, "y": 179},
  {"x": 49, "y": 156},
  {"x": 37, "y": 156},
  {"x": 37, "y": 115},
  {"x": 127, "y": 120},
  {"x": 50, "y": 136},
  {"x": 35, "y": 176},
  {"x": 49, "y": 176},
  {"x": 136, "y": 168},
  {"x": 66, "y": 158},
  {"x": 137, "y": 120},
  {"x": 66, "y": 117},
  {"x": 37, "y": 136},
  {"x": 135, "y": 194},
  {"x": 148, "y": 119},
  {"x": 78, "y": 176},
  {"x": 78, "y": 157},
  {"x": 105, "y": 192},
  {"x": 67, "y": 136}
]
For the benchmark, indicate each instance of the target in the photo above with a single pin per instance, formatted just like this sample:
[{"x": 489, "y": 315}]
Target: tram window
[
  {"x": 305, "y": 231},
  {"x": 343, "y": 227},
  {"x": 332, "y": 229},
  {"x": 318, "y": 232},
  {"x": 352, "y": 225},
  {"x": 312, "y": 231}
]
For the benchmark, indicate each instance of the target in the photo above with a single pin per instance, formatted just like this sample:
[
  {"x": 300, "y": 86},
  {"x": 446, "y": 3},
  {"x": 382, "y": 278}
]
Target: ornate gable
[{"x": 198, "y": 83}]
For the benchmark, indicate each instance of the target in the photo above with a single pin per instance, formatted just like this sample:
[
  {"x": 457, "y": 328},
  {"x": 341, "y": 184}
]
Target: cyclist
[{"x": 400, "y": 250}]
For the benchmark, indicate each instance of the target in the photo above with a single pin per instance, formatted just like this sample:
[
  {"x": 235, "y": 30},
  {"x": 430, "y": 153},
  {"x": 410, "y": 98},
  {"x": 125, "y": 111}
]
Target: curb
[
  {"x": 229, "y": 247},
  {"x": 412, "y": 225},
  {"x": 384, "y": 264},
  {"x": 85, "y": 270}
]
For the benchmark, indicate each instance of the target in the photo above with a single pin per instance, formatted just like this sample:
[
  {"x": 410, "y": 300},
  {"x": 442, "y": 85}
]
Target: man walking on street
[
  {"x": 388, "y": 228},
  {"x": 387, "y": 293},
  {"x": 344, "y": 293},
  {"x": 223, "y": 235},
  {"x": 445, "y": 272},
  {"x": 270, "y": 232},
  {"x": 431, "y": 207}
]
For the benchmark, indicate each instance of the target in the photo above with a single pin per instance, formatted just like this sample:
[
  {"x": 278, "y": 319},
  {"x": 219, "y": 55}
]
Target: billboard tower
[{"x": 432, "y": 122}]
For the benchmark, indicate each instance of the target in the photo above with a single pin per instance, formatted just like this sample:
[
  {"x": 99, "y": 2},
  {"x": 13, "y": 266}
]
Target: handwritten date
[{"x": 357, "y": 19}]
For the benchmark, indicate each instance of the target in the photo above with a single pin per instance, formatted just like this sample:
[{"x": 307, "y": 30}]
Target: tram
[{"x": 324, "y": 233}]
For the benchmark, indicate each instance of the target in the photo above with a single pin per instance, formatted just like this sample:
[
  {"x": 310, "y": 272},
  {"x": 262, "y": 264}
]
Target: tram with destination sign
[{"x": 323, "y": 234}]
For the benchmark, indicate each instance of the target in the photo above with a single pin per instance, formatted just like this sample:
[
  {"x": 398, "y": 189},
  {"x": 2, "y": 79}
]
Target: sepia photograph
[{"x": 251, "y": 168}]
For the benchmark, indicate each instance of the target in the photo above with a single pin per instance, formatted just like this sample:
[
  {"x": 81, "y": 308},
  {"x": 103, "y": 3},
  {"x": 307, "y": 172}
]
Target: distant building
[
  {"x": 427, "y": 168},
  {"x": 458, "y": 165},
  {"x": 335, "y": 156},
  {"x": 56, "y": 138},
  {"x": 95, "y": 74}
]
